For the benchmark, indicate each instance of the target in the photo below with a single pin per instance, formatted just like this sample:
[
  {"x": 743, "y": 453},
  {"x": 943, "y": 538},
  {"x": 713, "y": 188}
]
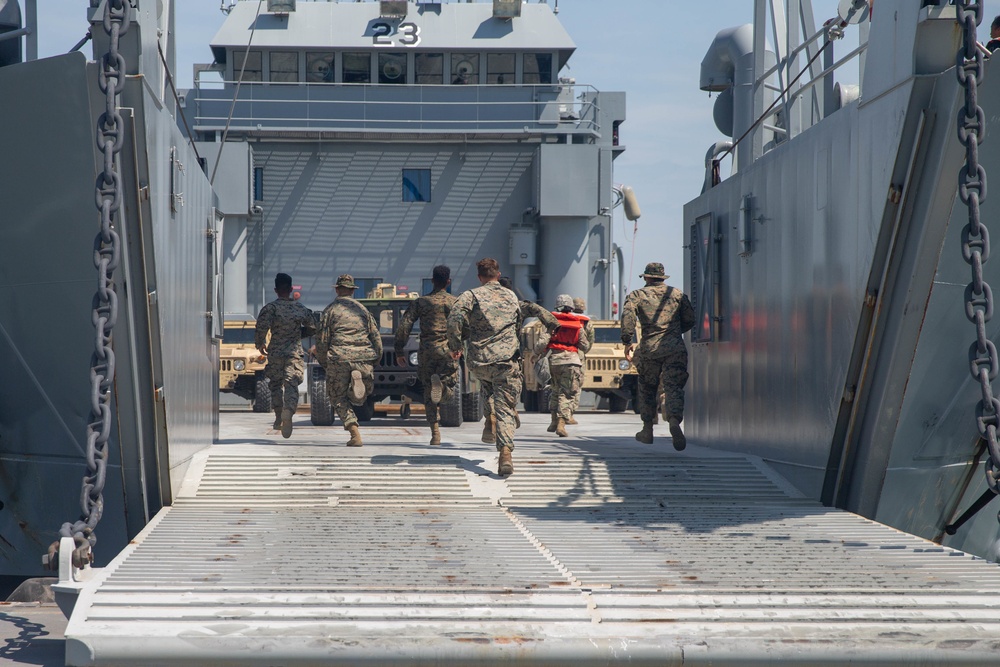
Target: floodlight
[{"x": 506, "y": 9}]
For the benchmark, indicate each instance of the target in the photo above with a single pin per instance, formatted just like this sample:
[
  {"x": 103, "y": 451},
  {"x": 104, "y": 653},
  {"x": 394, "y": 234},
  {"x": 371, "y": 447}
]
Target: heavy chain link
[
  {"x": 107, "y": 254},
  {"x": 984, "y": 363}
]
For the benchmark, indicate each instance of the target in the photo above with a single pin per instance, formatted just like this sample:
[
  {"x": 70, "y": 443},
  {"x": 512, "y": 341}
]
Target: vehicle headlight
[
  {"x": 623, "y": 365},
  {"x": 412, "y": 358},
  {"x": 239, "y": 365}
]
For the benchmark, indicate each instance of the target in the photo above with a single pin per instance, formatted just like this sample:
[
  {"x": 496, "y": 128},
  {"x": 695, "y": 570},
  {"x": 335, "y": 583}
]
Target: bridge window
[
  {"x": 465, "y": 68},
  {"x": 428, "y": 68},
  {"x": 285, "y": 66},
  {"x": 252, "y": 68},
  {"x": 392, "y": 68},
  {"x": 357, "y": 68},
  {"x": 416, "y": 185},
  {"x": 500, "y": 68},
  {"x": 319, "y": 68},
  {"x": 538, "y": 68}
]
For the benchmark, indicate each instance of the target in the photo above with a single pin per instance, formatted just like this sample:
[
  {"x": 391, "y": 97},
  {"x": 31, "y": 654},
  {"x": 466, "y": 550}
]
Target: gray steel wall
[{"x": 336, "y": 208}]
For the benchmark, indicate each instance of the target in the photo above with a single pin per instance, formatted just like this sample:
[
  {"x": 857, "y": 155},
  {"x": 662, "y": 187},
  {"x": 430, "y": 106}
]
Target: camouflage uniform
[
  {"x": 579, "y": 306},
  {"x": 665, "y": 313},
  {"x": 526, "y": 309},
  {"x": 348, "y": 340},
  {"x": 433, "y": 357},
  {"x": 488, "y": 317},
  {"x": 564, "y": 366},
  {"x": 289, "y": 322}
]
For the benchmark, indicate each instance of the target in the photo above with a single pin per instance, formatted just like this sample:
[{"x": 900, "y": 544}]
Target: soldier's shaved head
[{"x": 440, "y": 275}]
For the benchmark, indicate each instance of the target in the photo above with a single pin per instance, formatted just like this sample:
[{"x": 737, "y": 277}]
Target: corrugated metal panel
[{"x": 595, "y": 551}]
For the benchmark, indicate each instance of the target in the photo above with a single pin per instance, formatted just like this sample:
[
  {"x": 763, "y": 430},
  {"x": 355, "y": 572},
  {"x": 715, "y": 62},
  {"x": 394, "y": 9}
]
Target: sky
[{"x": 636, "y": 46}]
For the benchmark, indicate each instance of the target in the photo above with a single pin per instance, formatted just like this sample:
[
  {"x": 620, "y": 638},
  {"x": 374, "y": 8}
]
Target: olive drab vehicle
[
  {"x": 241, "y": 365},
  {"x": 606, "y": 372},
  {"x": 399, "y": 384}
]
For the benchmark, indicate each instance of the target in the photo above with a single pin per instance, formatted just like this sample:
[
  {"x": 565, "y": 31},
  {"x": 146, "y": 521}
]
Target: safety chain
[
  {"x": 107, "y": 254},
  {"x": 984, "y": 362}
]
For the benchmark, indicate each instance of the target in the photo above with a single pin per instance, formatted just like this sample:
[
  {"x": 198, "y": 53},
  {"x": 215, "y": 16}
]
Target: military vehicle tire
[
  {"x": 542, "y": 406},
  {"x": 320, "y": 410},
  {"x": 472, "y": 406},
  {"x": 450, "y": 413},
  {"x": 366, "y": 411},
  {"x": 617, "y": 403},
  {"x": 262, "y": 393},
  {"x": 530, "y": 400}
]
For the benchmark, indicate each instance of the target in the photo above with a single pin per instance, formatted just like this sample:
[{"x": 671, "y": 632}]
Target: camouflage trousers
[
  {"x": 575, "y": 403},
  {"x": 565, "y": 390},
  {"x": 284, "y": 375},
  {"x": 672, "y": 372},
  {"x": 338, "y": 381},
  {"x": 502, "y": 384},
  {"x": 437, "y": 361}
]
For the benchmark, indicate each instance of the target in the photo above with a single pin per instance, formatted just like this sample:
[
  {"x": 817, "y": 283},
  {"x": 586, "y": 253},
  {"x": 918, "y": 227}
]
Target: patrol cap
[
  {"x": 579, "y": 305},
  {"x": 345, "y": 280},
  {"x": 654, "y": 270},
  {"x": 564, "y": 301}
]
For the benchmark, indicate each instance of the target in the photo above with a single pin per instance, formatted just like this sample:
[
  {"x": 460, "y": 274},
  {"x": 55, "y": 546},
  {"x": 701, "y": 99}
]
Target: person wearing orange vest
[{"x": 563, "y": 347}]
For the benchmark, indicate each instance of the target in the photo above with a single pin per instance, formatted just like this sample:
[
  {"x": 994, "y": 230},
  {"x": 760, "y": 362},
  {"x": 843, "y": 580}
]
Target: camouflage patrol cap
[
  {"x": 579, "y": 305},
  {"x": 654, "y": 270},
  {"x": 564, "y": 301},
  {"x": 345, "y": 280}
]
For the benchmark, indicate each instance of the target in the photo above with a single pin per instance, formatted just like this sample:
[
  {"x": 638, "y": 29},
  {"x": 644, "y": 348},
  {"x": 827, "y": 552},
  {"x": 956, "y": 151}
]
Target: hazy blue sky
[{"x": 651, "y": 49}]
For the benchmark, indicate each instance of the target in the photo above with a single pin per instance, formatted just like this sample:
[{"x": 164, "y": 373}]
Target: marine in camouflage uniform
[
  {"x": 347, "y": 344},
  {"x": 580, "y": 307},
  {"x": 526, "y": 309},
  {"x": 665, "y": 314},
  {"x": 487, "y": 317},
  {"x": 563, "y": 347},
  {"x": 289, "y": 322},
  {"x": 433, "y": 357}
]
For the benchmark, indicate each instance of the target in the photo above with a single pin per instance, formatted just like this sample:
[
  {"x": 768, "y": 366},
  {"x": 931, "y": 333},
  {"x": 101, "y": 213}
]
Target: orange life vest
[{"x": 567, "y": 336}]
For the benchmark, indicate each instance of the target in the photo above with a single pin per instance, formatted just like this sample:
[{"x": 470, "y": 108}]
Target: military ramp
[{"x": 597, "y": 551}]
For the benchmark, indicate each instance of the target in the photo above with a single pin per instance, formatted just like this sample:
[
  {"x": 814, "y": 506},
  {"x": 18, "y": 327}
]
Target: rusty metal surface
[{"x": 597, "y": 550}]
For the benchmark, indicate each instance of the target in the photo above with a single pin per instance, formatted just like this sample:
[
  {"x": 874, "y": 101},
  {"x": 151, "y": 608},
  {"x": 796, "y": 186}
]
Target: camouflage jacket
[
  {"x": 432, "y": 313},
  {"x": 532, "y": 309},
  {"x": 347, "y": 332},
  {"x": 289, "y": 322},
  {"x": 488, "y": 316},
  {"x": 664, "y": 312}
]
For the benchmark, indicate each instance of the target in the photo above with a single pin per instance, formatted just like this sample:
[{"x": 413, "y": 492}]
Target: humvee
[
  {"x": 606, "y": 373},
  {"x": 397, "y": 383},
  {"x": 241, "y": 366}
]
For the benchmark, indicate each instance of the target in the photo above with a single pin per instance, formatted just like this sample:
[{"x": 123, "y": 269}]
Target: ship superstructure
[{"x": 382, "y": 138}]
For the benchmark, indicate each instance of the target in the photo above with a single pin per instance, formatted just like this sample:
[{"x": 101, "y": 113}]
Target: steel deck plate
[{"x": 597, "y": 550}]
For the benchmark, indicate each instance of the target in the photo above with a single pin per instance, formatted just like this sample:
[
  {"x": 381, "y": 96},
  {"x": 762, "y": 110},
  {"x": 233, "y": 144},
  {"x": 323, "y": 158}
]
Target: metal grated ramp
[{"x": 596, "y": 551}]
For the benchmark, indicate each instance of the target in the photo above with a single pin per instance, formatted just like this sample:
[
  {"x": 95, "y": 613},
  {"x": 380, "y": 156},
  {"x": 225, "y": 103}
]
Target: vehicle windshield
[
  {"x": 609, "y": 335},
  {"x": 388, "y": 314},
  {"x": 242, "y": 335}
]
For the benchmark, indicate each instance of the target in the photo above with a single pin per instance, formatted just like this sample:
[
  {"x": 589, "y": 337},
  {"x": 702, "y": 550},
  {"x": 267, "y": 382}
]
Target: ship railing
[
  {"x": 796, "y": 81},
  {"x": 274, "y": 106}
]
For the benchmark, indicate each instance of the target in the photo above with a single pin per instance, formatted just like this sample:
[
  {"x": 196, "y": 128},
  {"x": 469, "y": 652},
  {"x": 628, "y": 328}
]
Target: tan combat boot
[
  {"x": 286, "y": 423},
  {"x": 355, "y": 440},
  {"x": 561, "y": 428},
  {"x": 506, "y": 466},
  {"x": 554, "y": 424},
  {"x": 277, "y": 418},
  {"x": 645, "y": 436},
  {"x": 435, "y": 434},
  {"x": 677, "y": 435},
  {"x": 437, "y": 389},
  {"x": 356, "y": 390},
  {"x": 572, "y": 421},
  {"x": 489, "y": 430}
]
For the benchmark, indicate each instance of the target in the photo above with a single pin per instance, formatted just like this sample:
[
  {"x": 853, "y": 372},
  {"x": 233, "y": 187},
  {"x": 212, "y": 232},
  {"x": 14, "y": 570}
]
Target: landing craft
[{"x": 830, "y": 270}]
